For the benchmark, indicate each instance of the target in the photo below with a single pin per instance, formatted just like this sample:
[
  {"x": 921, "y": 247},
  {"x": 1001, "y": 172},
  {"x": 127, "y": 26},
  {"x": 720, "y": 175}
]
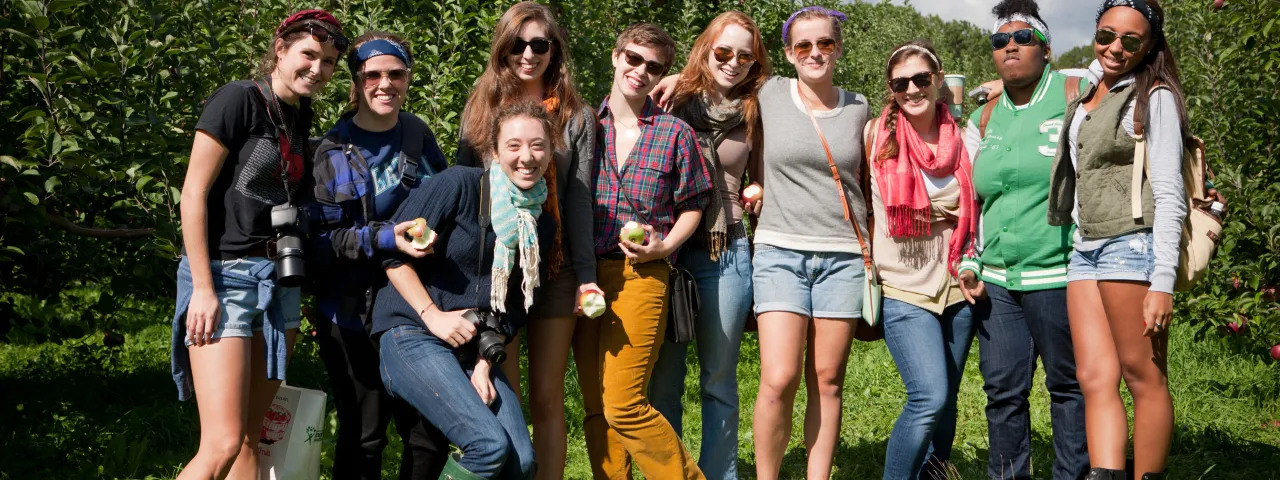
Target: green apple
[
  {"x": 421, "y": 233},
  {"x": 592, "y": 304},
  {"x": 633, "y": 233}
]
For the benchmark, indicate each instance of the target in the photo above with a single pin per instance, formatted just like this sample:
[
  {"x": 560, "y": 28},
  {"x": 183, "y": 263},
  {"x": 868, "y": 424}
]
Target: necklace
[{"x": 631, "y": 131}]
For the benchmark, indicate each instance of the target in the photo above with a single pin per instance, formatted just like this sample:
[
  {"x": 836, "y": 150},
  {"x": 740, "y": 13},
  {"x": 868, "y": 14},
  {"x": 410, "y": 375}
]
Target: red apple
[
  {"x": 1236, "y": 283},
  {"x": 1269, "y": 293},
  {"x": 1275, "y": 352},
  {"x": 592, "y": 304},
  {"x": 632, "y": 232},
  {"x": 752, "y": 193},
  {"x": 1217, "y": 4}
]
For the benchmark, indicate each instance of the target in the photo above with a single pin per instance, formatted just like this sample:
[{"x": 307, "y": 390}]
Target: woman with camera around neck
[
  {"x": 238, "y": 311},
  {"x": 389, "y": 152},
  {"x": 443, "y": 319}
]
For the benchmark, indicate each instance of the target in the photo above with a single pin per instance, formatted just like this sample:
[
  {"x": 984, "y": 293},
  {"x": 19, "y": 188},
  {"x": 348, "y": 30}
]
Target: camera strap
[
  {"x": 284, "y": 134},
  {"x": 484, "y": 221}
]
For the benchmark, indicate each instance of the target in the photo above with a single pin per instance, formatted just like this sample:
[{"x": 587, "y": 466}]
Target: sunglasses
[
  {"x": 1131, "y": 43},
  {"x": 374, "y": 77},
  {"x": 539, "y": 45},
  {"x": 922, "y": 80},
  {"x": 321, "y": 35},
  {"x": 651, "y": 67},
  {"x": 1026, "y": 36},
  {"x": 825, "y": 47},
  {"x": 725, "y": 54}
]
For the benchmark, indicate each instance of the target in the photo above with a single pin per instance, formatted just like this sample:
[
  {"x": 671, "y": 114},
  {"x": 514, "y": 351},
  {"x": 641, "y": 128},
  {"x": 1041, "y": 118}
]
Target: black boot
[
  {"x": 1153, "y": 476},
  {"x": 1105, "y": 474}
]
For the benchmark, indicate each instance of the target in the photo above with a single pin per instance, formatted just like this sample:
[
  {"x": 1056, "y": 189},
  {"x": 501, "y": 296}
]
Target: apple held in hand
[
  {"x": 421, "y": 233},
  {"x": 752, "y": 193},
  {"x": 632, "y": 232},
  {"x": 592, "y": 304}
]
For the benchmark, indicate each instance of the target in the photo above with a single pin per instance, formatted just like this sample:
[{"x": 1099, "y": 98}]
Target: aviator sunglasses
[
  {"x": 539, "y": 46},
  {"x": 1130, "y": 42},
  {"x": 374, "y": 77},
  {"x": 321, "y": 35},
  {"x": 1026, "y": 36},
  {"x": 635, "y": 59},
  {"x": 922, "y": 80},
  {"x": 724, "y": 54},
  {"x": 825, "y": 47}
]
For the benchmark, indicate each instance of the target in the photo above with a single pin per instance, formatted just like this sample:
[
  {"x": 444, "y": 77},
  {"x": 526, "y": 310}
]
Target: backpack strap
[
  {"x": 414, "y": 130},
  {"x": 986, "y": 117},
  {"x": 1073, "y": 88},
  {"x": 1140, "y": 163}
]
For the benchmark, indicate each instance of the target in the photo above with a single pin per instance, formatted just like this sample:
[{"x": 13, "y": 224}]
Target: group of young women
[{"x": 1016, "y": 228}]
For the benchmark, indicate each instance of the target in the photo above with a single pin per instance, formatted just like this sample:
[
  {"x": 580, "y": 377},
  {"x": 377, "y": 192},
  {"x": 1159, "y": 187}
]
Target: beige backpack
[{"x": 1202, "y": 228}]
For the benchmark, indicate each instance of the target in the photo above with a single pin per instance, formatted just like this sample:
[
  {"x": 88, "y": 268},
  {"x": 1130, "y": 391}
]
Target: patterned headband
[
  {"x": 374, "y": 48},
  {"x": 918, "y": 48},
  {"x": 1027, "y": 19},
  {"x": 1157, "y": 23},
  {"x": 786, "y": 27}
]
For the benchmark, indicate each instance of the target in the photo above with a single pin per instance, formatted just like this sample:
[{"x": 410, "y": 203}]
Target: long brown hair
[
  {"x": 1159, "y": 67},
  {"x": 498, "y": 85},
  {"x": 696, "y": 77},
  {"x": 890, "y": 120},
  {"x": 353, "y": 100},
  {"x": 524, "y": 108}
]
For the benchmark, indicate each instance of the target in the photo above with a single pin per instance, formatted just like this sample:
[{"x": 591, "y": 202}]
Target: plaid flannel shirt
[{"x": 664, "y": 175}]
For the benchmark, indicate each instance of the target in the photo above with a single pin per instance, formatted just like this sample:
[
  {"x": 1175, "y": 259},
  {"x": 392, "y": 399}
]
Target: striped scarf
[{"x": 514, "y": 213}]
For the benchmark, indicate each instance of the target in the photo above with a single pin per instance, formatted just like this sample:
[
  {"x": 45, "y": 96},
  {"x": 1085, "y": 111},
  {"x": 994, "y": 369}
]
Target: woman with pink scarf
[{"x": 922, "y": 198}]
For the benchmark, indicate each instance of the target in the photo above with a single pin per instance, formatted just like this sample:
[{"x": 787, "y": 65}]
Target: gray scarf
[{"x": 712, "y": 124}]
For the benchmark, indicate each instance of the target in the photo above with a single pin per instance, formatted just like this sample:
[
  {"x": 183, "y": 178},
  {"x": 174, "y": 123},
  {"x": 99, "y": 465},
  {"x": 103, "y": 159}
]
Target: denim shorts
[
  {"x": 1127, "y": 257},
  {"x": 813, "y": 284},
  {"x": 240, "y": 315}
]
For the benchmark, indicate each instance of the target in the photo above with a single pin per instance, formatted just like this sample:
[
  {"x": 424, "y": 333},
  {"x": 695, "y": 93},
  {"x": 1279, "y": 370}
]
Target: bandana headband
[
  {"x": 917, "y": 48},
  {"x": 1157, "y": 23},
  {"x": 1027, "y": 19},
  {"x": 786, "y": 27},
  {"x": 374, "y": 48}
]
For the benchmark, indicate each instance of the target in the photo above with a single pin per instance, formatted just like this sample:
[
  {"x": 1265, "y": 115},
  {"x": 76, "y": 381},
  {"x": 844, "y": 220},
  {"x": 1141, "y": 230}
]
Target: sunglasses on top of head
[
  {"x": 320, "y": 34},
  {"x": 922, "y": 80},
  {"x": 1130, "y": 42},
  {"x": 825, "y": 47},
  {"x": 1026, "y": 36},
  {"x": 374, "y": 77},
  {"x": 539, "y": 46},
  {"x": 651, "y": 67},
  {"x": 725, "y": 54}
]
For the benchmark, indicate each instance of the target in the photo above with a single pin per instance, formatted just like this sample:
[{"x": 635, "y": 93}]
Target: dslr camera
[
  {"x": 489, "y": 331},
  {"x": 290, "y": 225}
]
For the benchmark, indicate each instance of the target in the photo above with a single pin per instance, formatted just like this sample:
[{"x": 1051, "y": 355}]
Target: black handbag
[{"x": 682, "y": 295}]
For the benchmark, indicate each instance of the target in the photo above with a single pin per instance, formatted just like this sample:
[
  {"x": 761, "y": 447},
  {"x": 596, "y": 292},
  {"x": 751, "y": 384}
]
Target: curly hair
[
  {"x": 1009, "y": 8},
  {"x": 526, "y": 108}
]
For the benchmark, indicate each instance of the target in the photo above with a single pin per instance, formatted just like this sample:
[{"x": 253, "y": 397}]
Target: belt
[{"x": 254, "y": 251}]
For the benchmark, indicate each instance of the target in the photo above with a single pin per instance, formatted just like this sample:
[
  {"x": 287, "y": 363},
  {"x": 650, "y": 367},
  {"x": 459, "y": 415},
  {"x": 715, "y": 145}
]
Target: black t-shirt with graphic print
[{"x": 253, "y": 177}]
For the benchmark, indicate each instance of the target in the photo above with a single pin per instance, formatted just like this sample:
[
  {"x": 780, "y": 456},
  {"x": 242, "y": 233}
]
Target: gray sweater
[
  {"x": 574, "y": 165},
  {"x": 802, "y": 209},
  {"x": 1164, "y": 152}
]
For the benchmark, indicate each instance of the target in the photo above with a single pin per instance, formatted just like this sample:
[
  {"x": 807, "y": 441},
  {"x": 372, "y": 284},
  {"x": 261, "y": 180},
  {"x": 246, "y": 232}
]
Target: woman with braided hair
[{"x": 922, "y": 195}]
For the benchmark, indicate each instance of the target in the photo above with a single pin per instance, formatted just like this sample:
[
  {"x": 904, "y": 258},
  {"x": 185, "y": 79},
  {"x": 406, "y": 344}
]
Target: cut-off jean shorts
[
  {"x": 1127, "y": 257},
  {"x": 812, "y": 284},
  {"x": 239, "y": 315}
]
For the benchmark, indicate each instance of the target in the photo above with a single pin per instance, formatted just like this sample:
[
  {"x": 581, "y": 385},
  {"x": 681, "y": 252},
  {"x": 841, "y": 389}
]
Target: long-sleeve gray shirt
[
  {"x": 1164, "y": 153},
  {"x": 574, "y": 164}
]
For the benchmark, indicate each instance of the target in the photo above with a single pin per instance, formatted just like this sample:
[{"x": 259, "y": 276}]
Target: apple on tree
[
  {"x": 1275, "y": 352},
  {"x": 421, "y": 233}
]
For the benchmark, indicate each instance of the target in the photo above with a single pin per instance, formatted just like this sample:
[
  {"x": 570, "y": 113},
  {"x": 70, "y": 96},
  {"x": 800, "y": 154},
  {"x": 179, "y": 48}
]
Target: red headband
[{"x": 314, "y": 14}]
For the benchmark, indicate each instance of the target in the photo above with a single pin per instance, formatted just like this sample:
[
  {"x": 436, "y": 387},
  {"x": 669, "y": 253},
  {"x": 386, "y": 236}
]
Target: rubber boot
[
  {"x": 1105, "y": 474},
  {"x": 453, "y": 471},
  {"x": 1153, "y": 476}
]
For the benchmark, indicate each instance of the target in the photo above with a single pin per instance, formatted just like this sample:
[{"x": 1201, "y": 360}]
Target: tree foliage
[{"x": 98, "y": 100}]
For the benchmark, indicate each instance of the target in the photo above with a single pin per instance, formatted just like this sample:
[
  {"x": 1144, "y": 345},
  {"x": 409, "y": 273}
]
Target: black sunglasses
[
  {"x": 539, "y": 46},
  {"x": 922, "y": 80},
  {"x": 1026, "y": 36},
  {"x": 320, "y": 34},
  {"x": 724, "y": 54},
  {"x": 1130, "y": 42},
  {"x": 651, "y": 67},
  {"x": 825, "y": 47}
]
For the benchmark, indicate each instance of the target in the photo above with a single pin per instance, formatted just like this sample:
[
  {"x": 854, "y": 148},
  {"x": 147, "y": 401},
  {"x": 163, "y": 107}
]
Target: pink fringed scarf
[{"x": 906, "y": 201}]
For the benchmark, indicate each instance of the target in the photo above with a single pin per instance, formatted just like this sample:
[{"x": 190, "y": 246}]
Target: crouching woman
[{"x": 439, "y": 318}]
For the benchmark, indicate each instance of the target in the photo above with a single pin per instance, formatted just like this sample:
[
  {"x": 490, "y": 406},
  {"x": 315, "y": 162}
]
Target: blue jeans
[
  {"x": 420, "y": 368},
  {"x": 929, "y": 351},
  {"x": 725, "y": 291},
  {"x": 1014, "y": 328}
]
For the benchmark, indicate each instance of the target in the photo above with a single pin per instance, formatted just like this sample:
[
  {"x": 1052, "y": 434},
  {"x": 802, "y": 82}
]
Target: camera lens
[
  {"x": 290, "y": 266},
  {"x": 491, "y": 347}
]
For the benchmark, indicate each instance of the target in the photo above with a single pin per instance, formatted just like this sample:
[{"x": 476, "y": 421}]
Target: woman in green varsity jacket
[
  {"x": 1122, "y": 270},
  {"x": 1022, "y": 260}
]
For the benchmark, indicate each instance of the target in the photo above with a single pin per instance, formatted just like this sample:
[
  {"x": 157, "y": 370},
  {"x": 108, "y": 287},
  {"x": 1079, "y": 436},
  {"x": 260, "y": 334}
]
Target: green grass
[{"x": 81, "y": 410}]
